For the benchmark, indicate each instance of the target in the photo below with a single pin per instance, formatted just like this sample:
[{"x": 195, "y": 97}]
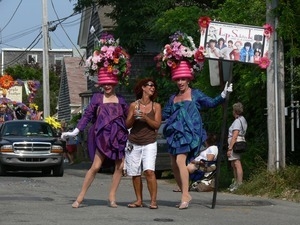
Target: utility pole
[
  {"x": 275, "y": 95},
  {"x": 46, "y": 98}
]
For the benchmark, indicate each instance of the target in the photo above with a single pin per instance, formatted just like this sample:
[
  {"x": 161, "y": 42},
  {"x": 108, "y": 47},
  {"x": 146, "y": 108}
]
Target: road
[{"x": 36, "y": 200}]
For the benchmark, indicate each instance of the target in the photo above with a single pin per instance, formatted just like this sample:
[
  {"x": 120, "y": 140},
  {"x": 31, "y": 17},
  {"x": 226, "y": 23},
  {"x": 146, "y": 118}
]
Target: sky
[{"x": 21, "y": 23}]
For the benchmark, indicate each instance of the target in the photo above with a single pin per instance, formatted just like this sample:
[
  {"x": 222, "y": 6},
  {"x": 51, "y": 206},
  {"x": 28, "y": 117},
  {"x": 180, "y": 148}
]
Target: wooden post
[{"x": 223, "y": 131}]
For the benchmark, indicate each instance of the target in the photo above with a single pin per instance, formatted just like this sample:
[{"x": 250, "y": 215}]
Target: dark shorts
[{"x": 71, "y": 148}]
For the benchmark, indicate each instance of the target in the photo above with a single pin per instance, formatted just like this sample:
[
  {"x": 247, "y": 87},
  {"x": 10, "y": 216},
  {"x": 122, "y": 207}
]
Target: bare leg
[
  {"x": 138, "y": 189},
  {"x": 234, "y": 170},
  {"x": 71, "y": 157},
  {"x": 116, "y": 179},
  {"x": 175, "y": 170},
  {"x": 90, "y": 176},
  {"x": 152, "y": 186},
  {"x": 184, "y": 176},
  {"x": 239, "y": 171}
]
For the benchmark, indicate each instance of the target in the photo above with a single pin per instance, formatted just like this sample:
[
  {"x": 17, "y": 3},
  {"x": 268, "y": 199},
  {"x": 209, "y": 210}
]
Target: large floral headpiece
[
  {"x": 181, "y": 48},
  {"x": 110, "y": 55}
]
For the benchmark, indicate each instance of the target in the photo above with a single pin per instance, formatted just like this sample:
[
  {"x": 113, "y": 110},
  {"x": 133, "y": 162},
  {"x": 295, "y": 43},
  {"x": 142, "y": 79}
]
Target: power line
[
  {"x": 12, "y": 15},
  {"x": 31, "y": 46},
  {"x": 60, "y": 23}
]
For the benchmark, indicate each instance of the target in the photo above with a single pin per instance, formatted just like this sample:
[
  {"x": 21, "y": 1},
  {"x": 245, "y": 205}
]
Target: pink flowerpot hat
[
  {"x": 104, "y": 77},
  {"x": 183, "y": 70}
]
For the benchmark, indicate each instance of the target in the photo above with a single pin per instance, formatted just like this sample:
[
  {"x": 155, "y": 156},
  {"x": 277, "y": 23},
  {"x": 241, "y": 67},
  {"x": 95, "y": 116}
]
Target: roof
[{"x": 75, "y": 78}]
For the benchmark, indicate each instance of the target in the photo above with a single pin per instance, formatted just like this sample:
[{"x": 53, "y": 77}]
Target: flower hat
[
  {"x": 110, "y": 56},
  {"x": 181, "y": 48}
]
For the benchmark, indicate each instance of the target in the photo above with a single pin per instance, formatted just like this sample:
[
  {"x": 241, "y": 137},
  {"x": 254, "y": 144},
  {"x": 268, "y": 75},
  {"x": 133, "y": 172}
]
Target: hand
[
  {"x": 137, "y": 114},
  {"x": 64, "y": 135},
  {"x": 229, "y": 152},
  {"x": 226, "y": 89}
]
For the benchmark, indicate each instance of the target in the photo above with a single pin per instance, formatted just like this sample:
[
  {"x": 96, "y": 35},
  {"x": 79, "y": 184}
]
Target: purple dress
[{"x": 108, "y": 133}]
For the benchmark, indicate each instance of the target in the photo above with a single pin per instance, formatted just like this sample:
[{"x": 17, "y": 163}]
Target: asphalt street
[{"x": 33, "y": 199}]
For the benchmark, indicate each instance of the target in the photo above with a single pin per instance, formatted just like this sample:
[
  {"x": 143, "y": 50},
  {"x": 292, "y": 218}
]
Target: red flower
[
  {"x": 264, "y": 62},
  {"x": 268, "y": 30},
  {"x": 199, "y": 55},
  {"x": 204, "y": 21}
]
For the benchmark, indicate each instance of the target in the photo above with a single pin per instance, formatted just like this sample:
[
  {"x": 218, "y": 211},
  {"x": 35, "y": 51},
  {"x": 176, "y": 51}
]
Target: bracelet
[{"x": 230, "y": 149}]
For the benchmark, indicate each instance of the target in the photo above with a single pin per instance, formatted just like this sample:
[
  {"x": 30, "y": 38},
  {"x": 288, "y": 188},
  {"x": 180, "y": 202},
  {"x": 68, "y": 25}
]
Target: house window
[
  {"x": 58, "y": 62},
  {"x": 32, "y": 59}
]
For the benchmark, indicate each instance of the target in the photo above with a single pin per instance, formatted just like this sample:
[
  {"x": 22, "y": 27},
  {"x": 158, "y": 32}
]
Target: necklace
[{"x": 144, "y": 105}]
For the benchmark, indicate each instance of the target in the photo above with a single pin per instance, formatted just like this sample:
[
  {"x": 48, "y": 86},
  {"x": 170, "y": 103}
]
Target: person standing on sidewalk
[
  {"x": 236, "y": 132},
  {"x": 144, "y": 119}
]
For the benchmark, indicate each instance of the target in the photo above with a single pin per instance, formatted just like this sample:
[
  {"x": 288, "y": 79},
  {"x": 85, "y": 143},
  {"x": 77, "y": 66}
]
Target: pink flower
[
  {"x": 109, "y": 54},
  {"x": 180, "y": 48},
  {"x": 268, "y": 30},
  {"x": 264, "y": 62}
]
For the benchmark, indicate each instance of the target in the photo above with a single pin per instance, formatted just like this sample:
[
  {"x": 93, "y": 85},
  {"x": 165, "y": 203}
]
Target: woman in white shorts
[{"x": 144, "y": 118}]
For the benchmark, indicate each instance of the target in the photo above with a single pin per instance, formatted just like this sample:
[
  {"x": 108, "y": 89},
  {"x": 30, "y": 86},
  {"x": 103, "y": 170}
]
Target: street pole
[{"x": 46, "y": 99}]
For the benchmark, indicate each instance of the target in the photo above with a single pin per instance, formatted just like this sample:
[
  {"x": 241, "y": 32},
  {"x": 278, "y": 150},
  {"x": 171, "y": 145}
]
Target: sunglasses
[{"x": 150, "y": 85}]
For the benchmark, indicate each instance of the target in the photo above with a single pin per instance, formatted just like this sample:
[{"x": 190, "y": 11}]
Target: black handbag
[{"x": 240, "y": 146}]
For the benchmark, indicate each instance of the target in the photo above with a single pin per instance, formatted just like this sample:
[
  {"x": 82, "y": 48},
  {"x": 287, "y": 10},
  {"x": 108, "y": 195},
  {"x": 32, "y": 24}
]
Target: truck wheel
[
  {"x": 58, "y": 171},
  {"x": 2, "y": 170}
]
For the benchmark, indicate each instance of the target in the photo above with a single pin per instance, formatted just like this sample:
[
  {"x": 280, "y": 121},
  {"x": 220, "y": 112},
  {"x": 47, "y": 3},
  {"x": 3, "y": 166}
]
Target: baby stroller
[{"x": 203, "y": 179}]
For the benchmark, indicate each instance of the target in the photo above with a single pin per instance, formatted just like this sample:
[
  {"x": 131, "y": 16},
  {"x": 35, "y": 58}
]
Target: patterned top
[
  {"x": 184, "y": 127},
  {"x": 108, "y": 132}
]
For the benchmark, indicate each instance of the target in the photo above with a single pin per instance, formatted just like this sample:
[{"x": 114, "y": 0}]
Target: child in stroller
[{"x": 203, "y": 167}]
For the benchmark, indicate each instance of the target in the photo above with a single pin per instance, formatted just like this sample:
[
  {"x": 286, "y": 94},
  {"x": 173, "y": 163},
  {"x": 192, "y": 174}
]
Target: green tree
[
  {"x": 139, "y": 20},
  {"x": 135, "y": 18}
]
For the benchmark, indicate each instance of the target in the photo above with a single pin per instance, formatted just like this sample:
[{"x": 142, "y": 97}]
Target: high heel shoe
[
  {"x": 112, "y": 204},
  {"x": 76, "y": 204},
  {"x": 184, "y": 205}
]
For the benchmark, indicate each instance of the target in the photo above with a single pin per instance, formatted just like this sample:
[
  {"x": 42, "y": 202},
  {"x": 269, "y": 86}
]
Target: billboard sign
[{"x": 234, "y": 42}]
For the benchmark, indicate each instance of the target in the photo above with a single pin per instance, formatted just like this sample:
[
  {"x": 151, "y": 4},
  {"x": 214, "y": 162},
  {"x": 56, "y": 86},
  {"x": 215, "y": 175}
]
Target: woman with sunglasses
[{"x": 144, "y": 118}]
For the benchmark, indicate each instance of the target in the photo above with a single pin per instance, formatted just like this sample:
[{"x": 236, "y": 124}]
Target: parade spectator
[
  {"x": 236, "y": 132},
  {"x": 144, "y": 119}
]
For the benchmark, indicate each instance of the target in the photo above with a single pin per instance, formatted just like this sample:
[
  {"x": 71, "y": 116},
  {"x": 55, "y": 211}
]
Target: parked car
[
  {"x": 28, "y": 145},
  {"x": 163, "y": 161}
]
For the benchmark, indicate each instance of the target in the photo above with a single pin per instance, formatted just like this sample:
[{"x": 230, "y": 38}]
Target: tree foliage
[{"x": 157, "y": 20}]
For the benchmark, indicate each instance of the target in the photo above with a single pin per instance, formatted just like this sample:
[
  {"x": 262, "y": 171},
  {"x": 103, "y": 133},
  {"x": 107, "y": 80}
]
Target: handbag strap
[{"x": 242, "y": 127}]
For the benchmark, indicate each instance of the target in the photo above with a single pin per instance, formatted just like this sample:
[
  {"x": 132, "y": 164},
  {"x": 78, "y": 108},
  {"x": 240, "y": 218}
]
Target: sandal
[
  {"x": 153, "y": 207},
  {"x": 177, "y": 190},
  {"x": 76, "y": 204},
  {"x": 112, "y": 204},
  {"x": 134, "y": 205},
  {"x": 183, "y": 205}
]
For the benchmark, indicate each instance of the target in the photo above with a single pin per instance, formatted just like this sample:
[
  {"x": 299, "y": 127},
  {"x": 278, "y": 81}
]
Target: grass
[{"x": 283, "y": 184}]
